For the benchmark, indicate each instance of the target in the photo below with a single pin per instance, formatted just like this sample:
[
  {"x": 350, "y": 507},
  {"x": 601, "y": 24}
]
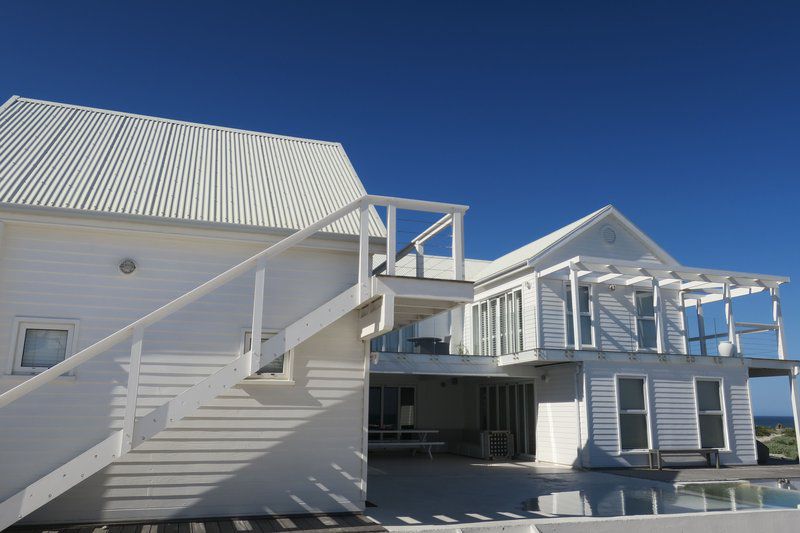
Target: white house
[
  {"x": 644, "y": 374},
  {"x": 139, "y": 256}
]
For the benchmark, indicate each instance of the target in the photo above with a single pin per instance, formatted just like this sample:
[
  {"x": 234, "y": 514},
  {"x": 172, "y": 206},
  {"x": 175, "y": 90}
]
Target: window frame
[
  {"x": 636, "y": 319},
  {"x": 567, "y": 316},
  {"x": 497, "y": 326},
  {"x": 723, "y": 410},
  {"x": 399, "y": 388},
  {"x": 646, "y": 413},
  {"x": 22, "y": 324},
  {"x": 287, "y": 376}
]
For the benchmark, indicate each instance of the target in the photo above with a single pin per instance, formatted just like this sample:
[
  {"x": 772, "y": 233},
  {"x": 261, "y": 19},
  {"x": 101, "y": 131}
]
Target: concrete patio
[{"x": 417, "y": 494}]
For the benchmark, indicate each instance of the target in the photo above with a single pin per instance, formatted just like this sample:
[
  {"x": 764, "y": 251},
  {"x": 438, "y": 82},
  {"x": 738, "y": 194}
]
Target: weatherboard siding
[
  {"x": 216, "y": 461},
  {"x": 556, "y": 417},
  {"x": 672, "y": 411},
  {"x": 590, "y": 243}
]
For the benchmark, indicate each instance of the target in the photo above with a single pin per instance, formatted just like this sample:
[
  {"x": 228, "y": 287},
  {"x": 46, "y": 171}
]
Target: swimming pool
[{"x": 661, "y": 498}]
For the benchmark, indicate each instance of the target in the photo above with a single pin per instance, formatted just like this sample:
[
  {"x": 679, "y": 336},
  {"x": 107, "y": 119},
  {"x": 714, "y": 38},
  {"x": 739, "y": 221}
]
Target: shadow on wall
[{"x": 259, "y": 449}]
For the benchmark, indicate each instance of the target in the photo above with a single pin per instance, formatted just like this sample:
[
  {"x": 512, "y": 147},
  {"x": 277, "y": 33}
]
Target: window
[
  {"x": 279, "y": 368},
  {"x": 42, "y": 343},
  {"x": 710, "y": 415},
  {"x": 645, "y": 320},
  {"x": 391, "y": 408},
  {"x": 584, "y": 304},
  {"x": 632, "y": 401},
  {"x": 497, "y": 324}
]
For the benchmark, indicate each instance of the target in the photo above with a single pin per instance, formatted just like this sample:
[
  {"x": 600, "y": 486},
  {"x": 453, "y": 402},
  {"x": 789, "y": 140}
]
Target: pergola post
[
  {"x": 795, "y": 398},
  {"x": 701, "y": 327},
  {"x": 726, "y": 297},
  {"x": 576, "y": 310},
  {"x": 777, "y": 316},
  {"x": 659, "y": 315}
]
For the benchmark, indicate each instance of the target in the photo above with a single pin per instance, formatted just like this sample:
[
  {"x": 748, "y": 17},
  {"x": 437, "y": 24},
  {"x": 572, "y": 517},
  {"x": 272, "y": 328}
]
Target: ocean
[{"x": 771, "y": 421}]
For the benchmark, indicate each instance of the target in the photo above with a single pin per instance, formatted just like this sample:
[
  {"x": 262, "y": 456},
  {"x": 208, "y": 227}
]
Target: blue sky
[{"x": 685, "y": 115}]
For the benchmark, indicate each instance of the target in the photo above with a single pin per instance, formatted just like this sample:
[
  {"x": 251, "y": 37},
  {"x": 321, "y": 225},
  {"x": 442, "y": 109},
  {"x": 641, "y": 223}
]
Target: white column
[
  {"x": 537, "y": 287},
  {"x": 258, "y": 316},
  {"x": 658, "y": 312},
  {"x": 777, "y": 316},
  {"x": 701, "y": 328},
  {"x": 391, "y": 239},
  {"x": 795, "y": 398},
  {"x": 576, "y": 310},
  {"x": 458, "y": 245},
  {"x": 456, "y": 329},
  {"x": 363, "y": 253},
  {"x": 726, "y": 296}
]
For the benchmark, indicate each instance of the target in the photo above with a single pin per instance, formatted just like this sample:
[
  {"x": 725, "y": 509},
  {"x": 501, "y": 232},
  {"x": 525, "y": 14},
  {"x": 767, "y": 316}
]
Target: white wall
[
  {"x": 673, "y": 414},
  {"x": 557, "y": 427},
  {"x": 259, "y": 449},
  {"x": 614, "y": 317}
]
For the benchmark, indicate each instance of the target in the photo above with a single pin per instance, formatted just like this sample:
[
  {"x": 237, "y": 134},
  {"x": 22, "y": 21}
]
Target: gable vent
[{"x": 608, "y": 233}]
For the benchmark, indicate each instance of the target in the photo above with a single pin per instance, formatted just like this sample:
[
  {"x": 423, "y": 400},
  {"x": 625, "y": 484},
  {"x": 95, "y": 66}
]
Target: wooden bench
[{"x": 659, "y": 454}]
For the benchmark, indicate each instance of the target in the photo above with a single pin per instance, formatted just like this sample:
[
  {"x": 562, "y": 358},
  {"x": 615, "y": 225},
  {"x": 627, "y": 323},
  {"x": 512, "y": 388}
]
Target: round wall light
[{"x": 127, "y": 266}]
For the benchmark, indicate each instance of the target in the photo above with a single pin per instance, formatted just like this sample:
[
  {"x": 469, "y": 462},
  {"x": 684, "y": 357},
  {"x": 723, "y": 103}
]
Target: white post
[
  {"x": 258, "y": 315},
  {"x": 537, "y": 287},
  {"x": 420, "y": 251},
  {"x": 133, "y": 390},
  {"x": 457, "y": 330},
  {"x": 795, "y": 398},
  {"x": 726, "y": 296},
  {"x": 458, "y": 245},
  {"x": 363, "y": 253},
  {"x": 658, "y": 311},
  {"x": 777, "y": 316},
  {"x": 391, "y": 239},
  {"x": 701, "y": 328},
  {"x": 576, "y": 310}
]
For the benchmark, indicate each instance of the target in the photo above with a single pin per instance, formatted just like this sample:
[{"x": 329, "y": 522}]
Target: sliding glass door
[{"x": 510, "y": 407}]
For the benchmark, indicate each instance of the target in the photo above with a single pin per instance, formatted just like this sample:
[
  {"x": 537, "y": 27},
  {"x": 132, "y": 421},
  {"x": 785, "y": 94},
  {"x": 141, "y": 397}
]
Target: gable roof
[
  {"x": 79, "y": 158},
  {"x": 538, "y": 248}
]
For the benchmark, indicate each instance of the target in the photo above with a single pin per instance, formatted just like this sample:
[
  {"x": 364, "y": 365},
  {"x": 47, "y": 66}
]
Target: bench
[
  {"x": 659, "y": 454},
  {"x": 425, "y": 445}
]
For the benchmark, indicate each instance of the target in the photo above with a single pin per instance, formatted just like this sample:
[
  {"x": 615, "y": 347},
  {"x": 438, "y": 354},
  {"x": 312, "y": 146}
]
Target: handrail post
[
  {"x": 419, "y": 248},
  {"x": 133, "y": 390},
  {"x": 258, "y": 315},
  {"x": 391, "y": 239},
  {"x": 363, "y": 252},
  {"x": 458, "y": 245}
]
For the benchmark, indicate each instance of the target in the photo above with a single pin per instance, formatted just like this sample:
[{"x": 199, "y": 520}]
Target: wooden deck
[{"x": 336, "y": 523}]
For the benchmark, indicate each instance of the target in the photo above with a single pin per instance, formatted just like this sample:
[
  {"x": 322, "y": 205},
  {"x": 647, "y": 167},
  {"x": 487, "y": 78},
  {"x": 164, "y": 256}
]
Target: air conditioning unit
[{"x": 497, "y": 445}]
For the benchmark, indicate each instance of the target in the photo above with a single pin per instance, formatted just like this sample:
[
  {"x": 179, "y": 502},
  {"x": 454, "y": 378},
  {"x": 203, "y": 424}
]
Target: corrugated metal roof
[{"x": 65, "y": 156}]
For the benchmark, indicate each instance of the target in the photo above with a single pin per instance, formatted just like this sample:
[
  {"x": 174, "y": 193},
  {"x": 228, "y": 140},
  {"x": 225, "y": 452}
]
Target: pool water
[{"x": 663, "y": 499}]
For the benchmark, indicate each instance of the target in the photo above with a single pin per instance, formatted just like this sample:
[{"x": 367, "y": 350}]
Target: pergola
[{"x": 697, "y": 286}]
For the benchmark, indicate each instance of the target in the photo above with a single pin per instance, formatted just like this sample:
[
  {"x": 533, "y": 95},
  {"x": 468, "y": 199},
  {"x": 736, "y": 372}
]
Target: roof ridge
[{"x": 169, "y": 120}]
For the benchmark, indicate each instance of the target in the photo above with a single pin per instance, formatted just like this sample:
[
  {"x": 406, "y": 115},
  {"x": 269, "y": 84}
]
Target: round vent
[{"x": 609, "y": 235}]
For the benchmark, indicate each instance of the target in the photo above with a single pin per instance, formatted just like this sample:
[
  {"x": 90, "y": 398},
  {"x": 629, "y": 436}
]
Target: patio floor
[{"x": 451, "y": 490}]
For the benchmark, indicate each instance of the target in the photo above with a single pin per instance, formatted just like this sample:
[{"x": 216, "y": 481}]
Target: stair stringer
[{"x": 118, "y": 444}]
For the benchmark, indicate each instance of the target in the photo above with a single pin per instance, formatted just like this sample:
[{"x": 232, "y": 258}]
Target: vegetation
[{"x": 781, "y": 442}]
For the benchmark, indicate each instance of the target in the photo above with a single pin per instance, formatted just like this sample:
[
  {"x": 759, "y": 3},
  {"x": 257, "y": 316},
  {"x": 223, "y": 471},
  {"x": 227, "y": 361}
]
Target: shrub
[
  {"x": 763, "y": 431},
  {"x": 785, "y": 445}
]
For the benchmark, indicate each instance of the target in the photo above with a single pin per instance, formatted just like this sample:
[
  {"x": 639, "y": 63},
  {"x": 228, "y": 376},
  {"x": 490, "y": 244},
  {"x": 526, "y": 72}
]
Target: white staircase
[{"x": 375, "y": 298}]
